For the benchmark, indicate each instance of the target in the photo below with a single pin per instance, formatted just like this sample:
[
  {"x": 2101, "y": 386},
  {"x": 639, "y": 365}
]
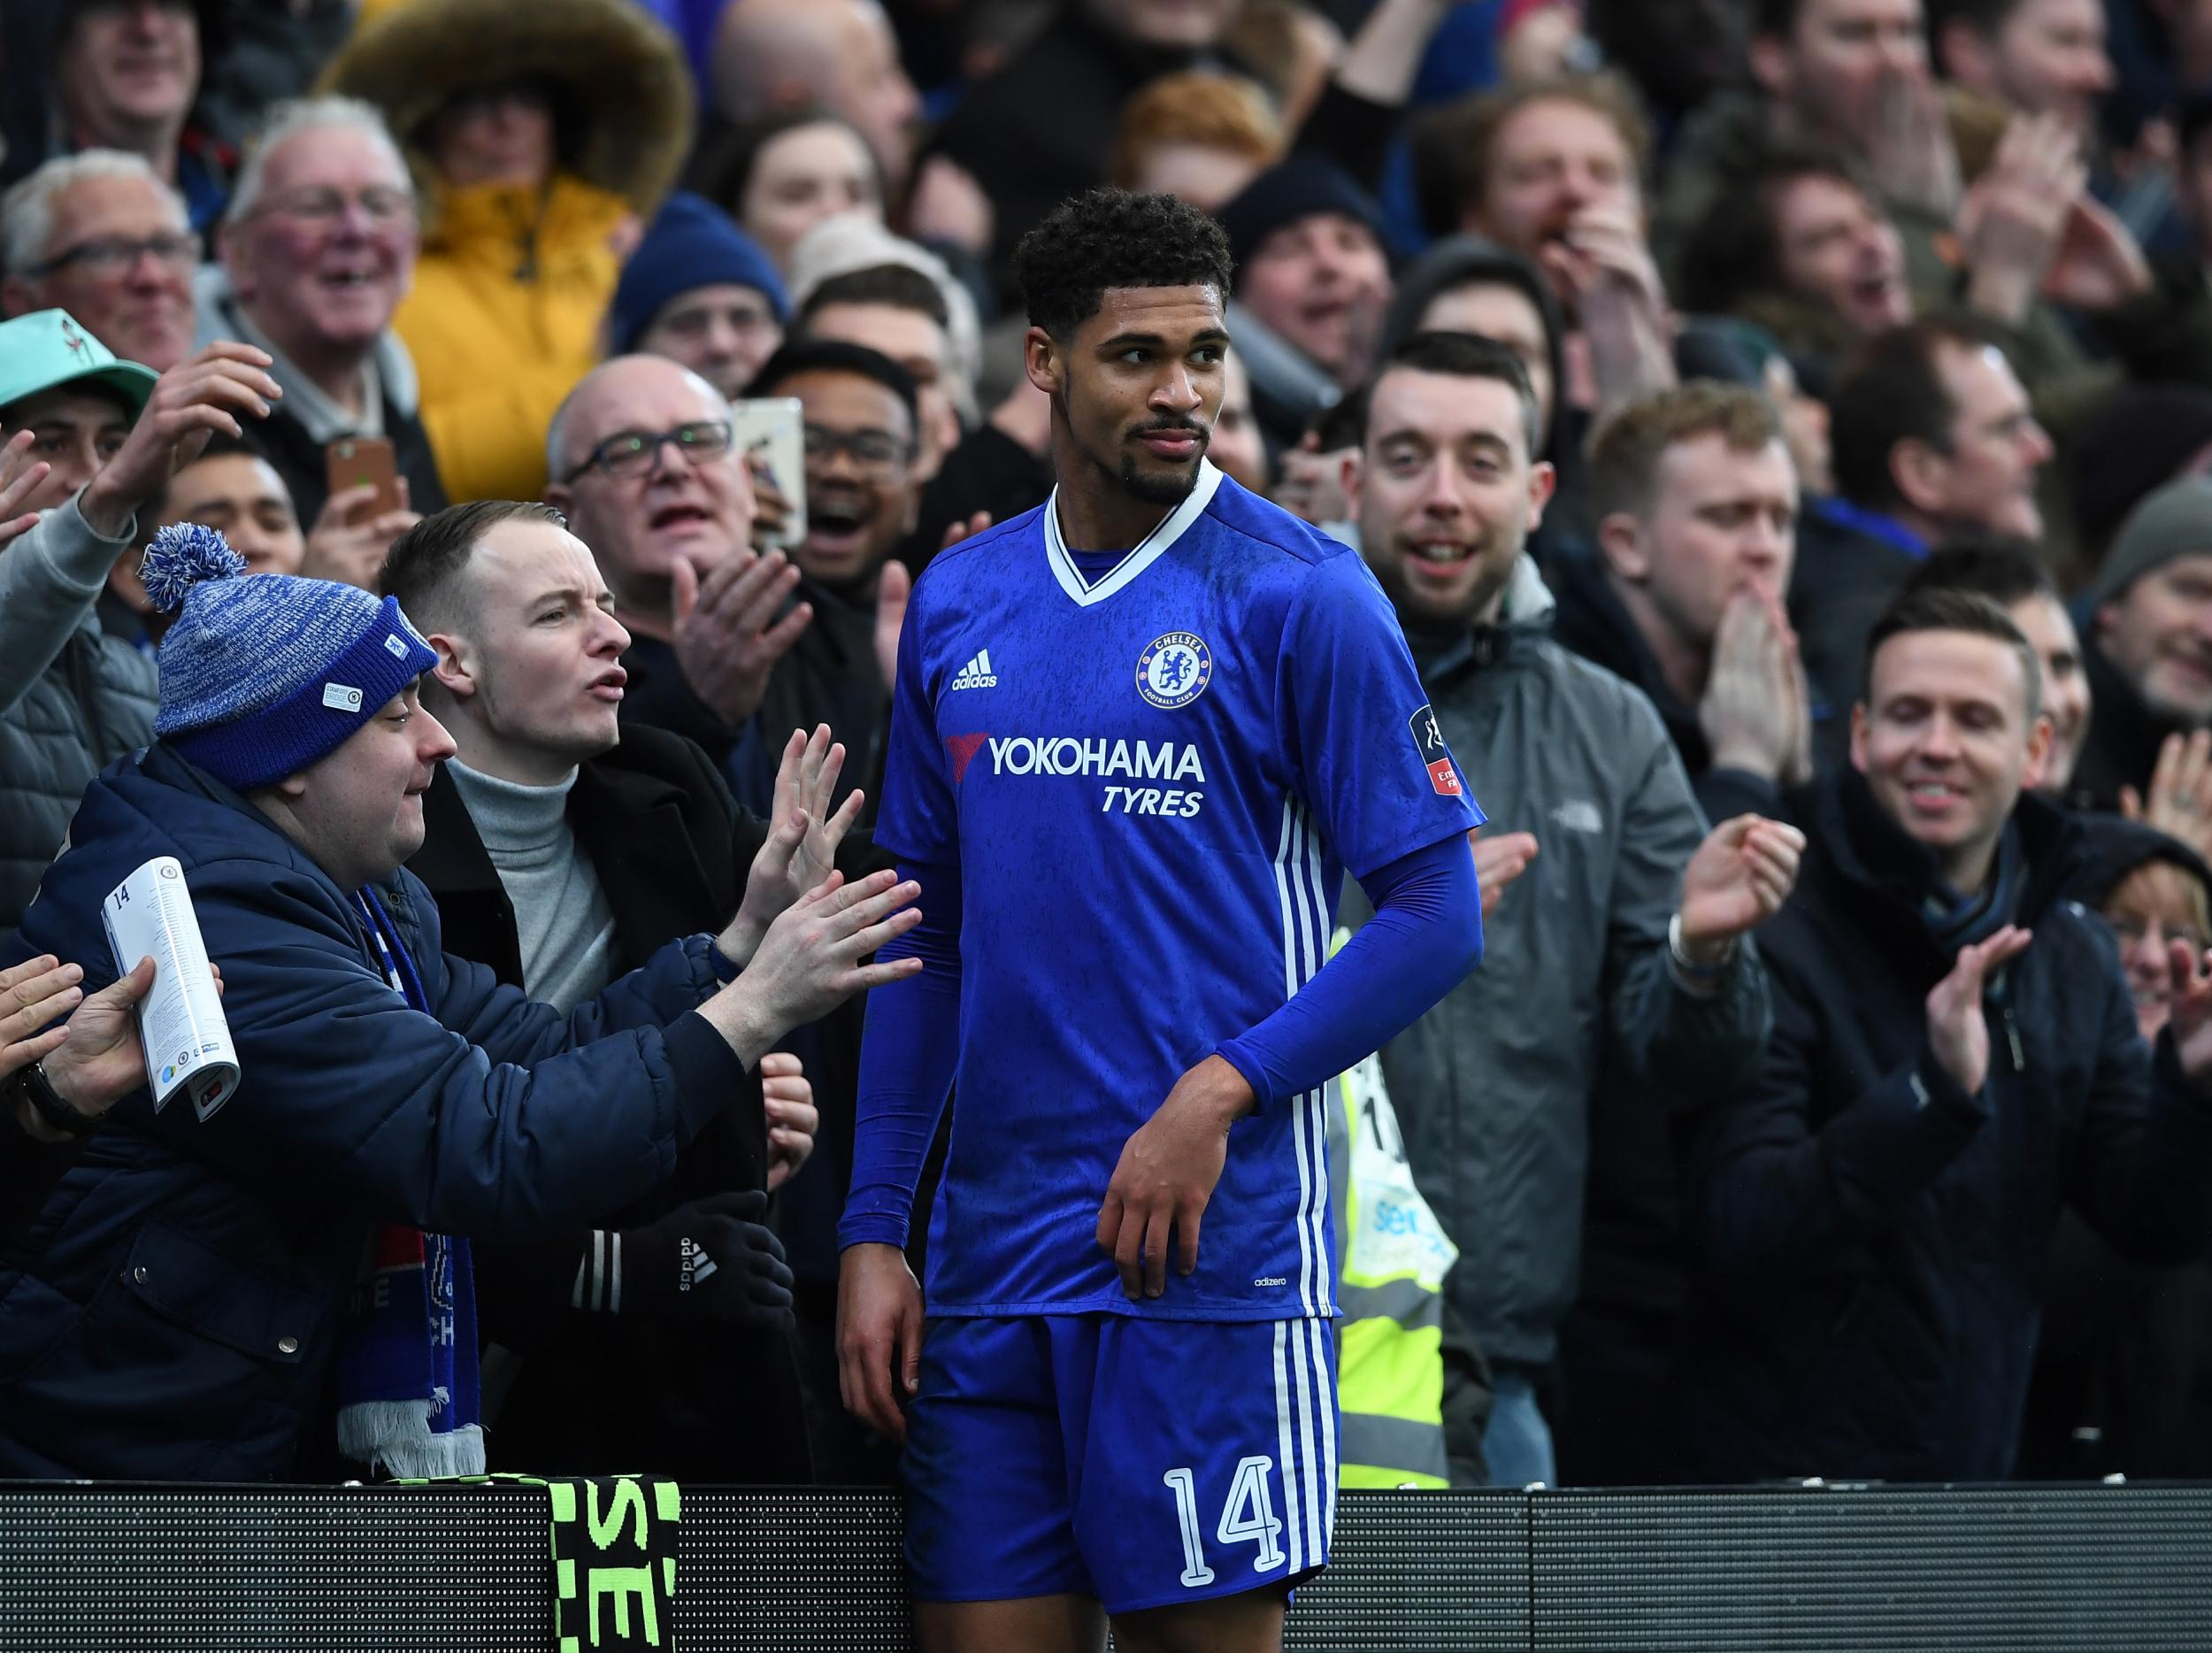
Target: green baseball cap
[{"x": 47, "y": 349}]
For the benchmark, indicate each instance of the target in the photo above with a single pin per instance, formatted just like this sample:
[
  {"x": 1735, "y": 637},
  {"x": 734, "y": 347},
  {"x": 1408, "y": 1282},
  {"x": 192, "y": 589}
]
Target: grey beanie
[{"x": 2172, "y": 522}]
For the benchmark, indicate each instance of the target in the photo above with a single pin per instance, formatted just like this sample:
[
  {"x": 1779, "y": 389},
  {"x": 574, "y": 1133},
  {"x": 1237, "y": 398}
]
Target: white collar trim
[{"x": 1148, "y": 550}]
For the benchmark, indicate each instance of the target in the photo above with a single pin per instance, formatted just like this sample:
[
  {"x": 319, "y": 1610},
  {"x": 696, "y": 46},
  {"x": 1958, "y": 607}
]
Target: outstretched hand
[
  {"x": 803, "y": 839},
  {"x": 812, "y": 960}
]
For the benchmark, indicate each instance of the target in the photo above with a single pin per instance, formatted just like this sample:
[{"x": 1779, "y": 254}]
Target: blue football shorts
[{"x": 1143, "y": 1462}]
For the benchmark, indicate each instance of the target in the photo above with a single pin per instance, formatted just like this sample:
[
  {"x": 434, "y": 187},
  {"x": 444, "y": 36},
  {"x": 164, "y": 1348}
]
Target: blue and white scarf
[{"x": 408, "y": 1395}]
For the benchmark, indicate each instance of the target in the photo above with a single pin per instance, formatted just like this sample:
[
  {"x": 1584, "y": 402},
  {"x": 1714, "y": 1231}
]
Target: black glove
[{"x": 712, "y": 1259}]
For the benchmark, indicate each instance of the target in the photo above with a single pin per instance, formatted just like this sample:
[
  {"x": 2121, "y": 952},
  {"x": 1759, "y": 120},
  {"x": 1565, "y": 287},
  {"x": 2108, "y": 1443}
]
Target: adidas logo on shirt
[{"x": 976, "y": 673}]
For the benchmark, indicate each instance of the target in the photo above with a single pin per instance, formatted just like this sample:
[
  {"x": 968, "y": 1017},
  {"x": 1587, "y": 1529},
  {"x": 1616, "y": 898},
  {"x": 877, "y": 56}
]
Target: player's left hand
[
  {"x": 1739, "y": 877},
  {"x": 1166, "y": 1175}
]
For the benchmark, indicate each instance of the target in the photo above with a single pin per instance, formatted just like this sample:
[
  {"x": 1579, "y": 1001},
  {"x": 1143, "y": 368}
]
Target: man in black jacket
[
  {"x": 1955, "y": 1056},
  {"x": 558, "y": 857}
]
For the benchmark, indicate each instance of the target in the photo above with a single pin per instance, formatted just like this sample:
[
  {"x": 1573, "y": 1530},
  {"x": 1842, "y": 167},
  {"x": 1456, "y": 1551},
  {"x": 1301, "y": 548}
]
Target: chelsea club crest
[{"x": 1174, "y": 670}]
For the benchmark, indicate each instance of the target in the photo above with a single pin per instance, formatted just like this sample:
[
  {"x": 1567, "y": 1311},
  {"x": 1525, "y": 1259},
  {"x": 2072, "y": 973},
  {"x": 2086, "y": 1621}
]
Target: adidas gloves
[{"x": 712, "y": 1259}]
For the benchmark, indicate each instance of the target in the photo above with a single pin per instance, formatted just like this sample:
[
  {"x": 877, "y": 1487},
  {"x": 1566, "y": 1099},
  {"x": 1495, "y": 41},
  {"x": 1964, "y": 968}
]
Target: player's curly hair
[{"x": 1112, "y": 238}]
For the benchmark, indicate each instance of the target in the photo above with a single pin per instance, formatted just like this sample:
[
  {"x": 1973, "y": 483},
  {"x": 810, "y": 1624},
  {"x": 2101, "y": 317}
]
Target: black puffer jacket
[{"x": 1871, "y": 1239}]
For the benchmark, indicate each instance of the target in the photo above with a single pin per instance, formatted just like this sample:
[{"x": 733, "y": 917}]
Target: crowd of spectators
[{"x": 1778, "y": 425}]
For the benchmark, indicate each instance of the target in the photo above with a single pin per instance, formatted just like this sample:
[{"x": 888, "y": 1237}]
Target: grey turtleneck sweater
[{"x": 561, "y": 919}]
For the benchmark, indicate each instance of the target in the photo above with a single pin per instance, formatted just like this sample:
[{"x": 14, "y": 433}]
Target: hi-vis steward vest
[{"x": 1392, "y": 1257}]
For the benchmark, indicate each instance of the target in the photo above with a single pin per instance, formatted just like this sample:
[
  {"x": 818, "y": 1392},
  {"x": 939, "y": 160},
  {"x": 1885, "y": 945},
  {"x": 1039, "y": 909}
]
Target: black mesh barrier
[
  {"x": 1418, "y": 1571},
  {"x": 221, "y": 1570},
  {"x": 1855, "y": 1570}
]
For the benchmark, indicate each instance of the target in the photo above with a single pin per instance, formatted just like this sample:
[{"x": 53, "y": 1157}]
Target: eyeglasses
[
  {"x": 635, "y": 452},
  {"x": 382, "y": 205},
  {"x": 872, "y": 449},
  {"x": 2129, "y": 931},
  {"x": 111, "y": 255}
]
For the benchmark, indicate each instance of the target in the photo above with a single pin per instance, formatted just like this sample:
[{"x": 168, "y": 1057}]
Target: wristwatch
[{"x": 30, "y": 1084}]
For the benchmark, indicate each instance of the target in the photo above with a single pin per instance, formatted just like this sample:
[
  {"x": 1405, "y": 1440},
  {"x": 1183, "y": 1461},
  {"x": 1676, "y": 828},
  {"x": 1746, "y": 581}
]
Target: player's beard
[{"x": 1163, "y": 488}]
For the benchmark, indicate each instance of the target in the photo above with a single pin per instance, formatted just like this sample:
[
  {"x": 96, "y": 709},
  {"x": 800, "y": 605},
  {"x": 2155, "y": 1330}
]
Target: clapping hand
[
  {"x": 802, "y": 839},
  {"x": 2189, "y": 1013},
  {"x": 1739, "y": 877},
  {"x": 895, "y": 586},
  {"x": 728, "y": 637},
  {"x": 1909, "y": 149},
  {"x": 2181, "y": 800},
  {"x": 1756, "y": 713},
  {"x": 2014, "y": 218},
  {"x": 2098, "y": 263},
  {"x": 1958, "y": 1028},
  {"x": 1309, "y": 484},
  {"x": 20, "y": 477},
  {"x": 1499, "y": 861},
  {"x": 792, "y": 1117}
]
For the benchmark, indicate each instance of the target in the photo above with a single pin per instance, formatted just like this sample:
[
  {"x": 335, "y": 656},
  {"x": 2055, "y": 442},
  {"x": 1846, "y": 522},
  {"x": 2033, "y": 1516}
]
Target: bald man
[
  {"x": 643, "y": 465},
  {"x": 771, "y": 56}
]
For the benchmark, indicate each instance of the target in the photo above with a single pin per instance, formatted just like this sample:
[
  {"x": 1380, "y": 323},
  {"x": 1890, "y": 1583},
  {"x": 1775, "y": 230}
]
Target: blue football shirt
[{"x": 1151, "y": 787}]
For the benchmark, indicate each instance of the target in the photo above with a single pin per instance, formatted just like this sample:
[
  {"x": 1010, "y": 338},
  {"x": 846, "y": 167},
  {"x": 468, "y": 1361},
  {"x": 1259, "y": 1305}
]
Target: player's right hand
[
  {"x": 1167, "y": 1173},
  {"x": 879, "y": 1336}
]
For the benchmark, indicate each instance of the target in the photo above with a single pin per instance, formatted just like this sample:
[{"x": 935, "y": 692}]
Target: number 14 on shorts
[{"x": 1248, "y": 1517}]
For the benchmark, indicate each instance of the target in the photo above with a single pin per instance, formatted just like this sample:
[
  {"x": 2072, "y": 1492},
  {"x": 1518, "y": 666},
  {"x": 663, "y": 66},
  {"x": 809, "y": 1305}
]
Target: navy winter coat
[
  {"x": 1872, "y": 1239},
  {"x": 172, "y": 1311}
]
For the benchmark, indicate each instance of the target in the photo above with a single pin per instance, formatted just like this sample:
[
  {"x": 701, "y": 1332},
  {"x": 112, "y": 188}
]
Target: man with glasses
[
  {"x": 643, "y": 466},
  {"x": 317, "y": 247},
  {"x": 862, "y": 412},
  {"x": 100, "y": 236}
]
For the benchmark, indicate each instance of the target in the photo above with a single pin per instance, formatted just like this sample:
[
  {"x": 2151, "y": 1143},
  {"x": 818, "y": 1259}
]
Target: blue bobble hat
[
  {"x": 48, "y": 348},
  {"x": 263, "y": 674},
  {"x": 692, "y": 243}
]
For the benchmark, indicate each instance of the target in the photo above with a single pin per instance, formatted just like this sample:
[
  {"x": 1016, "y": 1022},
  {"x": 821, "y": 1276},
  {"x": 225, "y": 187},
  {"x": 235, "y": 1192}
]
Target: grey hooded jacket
[
  {"x": 71, "y": 698},
  {"x": 1493, "y": 1086}
]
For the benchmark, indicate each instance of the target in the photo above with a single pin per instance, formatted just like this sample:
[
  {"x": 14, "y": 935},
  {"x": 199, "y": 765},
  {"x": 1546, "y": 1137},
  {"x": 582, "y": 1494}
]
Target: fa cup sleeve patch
[{"x": 1428, "y": 741}]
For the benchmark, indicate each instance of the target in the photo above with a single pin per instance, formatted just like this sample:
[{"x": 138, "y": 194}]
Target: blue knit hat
[
  {"x": 261, "y": 675},
  {"x": 691, "y": 243}
]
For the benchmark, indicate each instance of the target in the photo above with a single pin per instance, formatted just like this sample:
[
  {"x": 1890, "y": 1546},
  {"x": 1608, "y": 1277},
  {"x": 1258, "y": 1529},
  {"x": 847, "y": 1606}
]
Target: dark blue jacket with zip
[
  {"x": 1871, "y": 1238},
  {"x": 171, "y": 1310}
]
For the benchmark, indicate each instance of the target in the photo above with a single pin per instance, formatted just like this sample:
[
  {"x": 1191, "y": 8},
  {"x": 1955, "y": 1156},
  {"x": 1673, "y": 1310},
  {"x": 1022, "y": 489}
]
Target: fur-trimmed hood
[{"x": 624, "y": 94}]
